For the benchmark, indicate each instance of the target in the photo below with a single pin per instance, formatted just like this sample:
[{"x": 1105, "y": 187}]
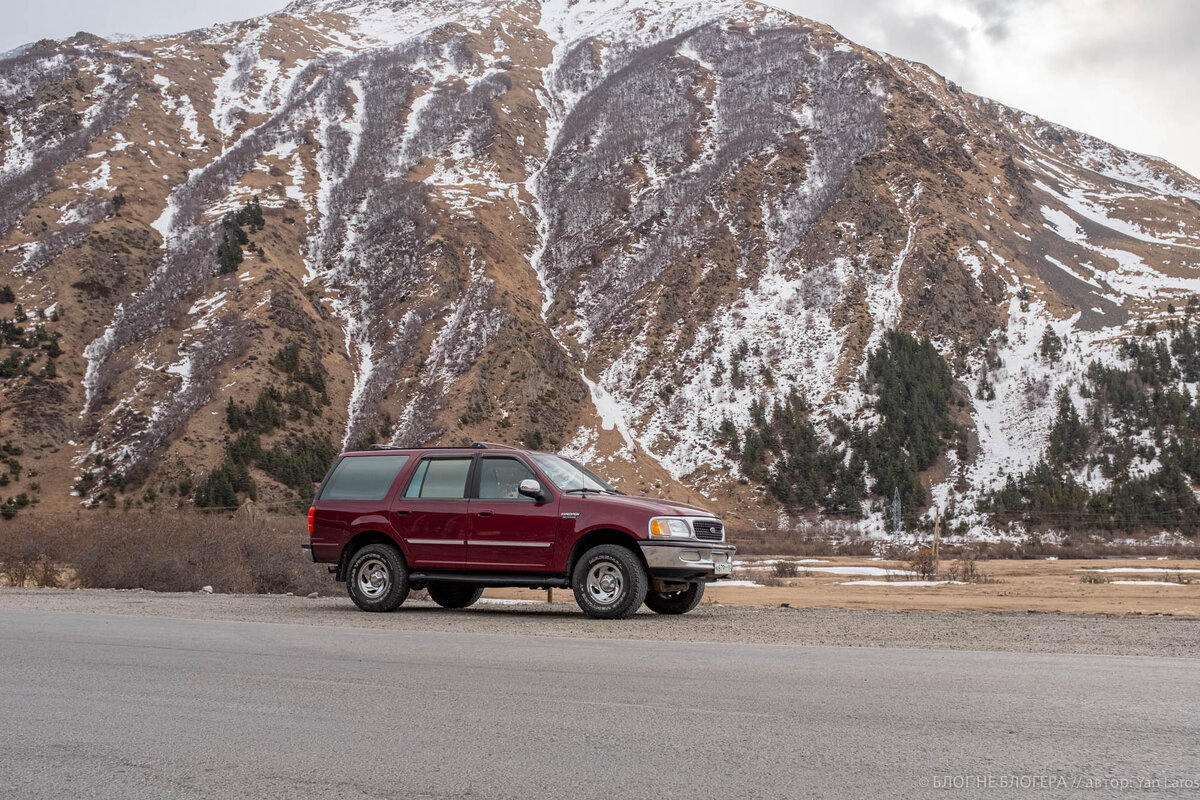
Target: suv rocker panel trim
[
  {"x": 489, "y": 578},
  {"x": 489, "y": 543}
]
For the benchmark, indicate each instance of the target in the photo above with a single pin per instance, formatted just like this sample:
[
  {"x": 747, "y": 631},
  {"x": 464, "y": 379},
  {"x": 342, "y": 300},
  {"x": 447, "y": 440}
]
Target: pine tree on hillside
[
  {"x": 914, "y": 389},
  {"x": 1051, "y": 347},
  {"x": 1069, "y": 436}
]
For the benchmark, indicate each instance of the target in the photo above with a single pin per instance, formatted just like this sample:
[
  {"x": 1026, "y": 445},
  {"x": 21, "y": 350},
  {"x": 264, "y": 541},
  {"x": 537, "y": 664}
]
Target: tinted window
[
  {"x": 414, "y": 483},
  {"x": 363, "y": 478},
  {"x": 444, "y": 478},
  {"x": 499, "y": 479}
]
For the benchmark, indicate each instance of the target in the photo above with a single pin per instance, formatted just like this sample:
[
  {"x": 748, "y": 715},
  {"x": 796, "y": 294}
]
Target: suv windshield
[{"x": 570, "y": 475}]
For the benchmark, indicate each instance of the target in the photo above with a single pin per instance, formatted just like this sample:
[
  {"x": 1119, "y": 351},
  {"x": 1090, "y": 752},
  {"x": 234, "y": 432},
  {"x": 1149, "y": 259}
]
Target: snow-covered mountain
[{"x": 603, "y": 227}]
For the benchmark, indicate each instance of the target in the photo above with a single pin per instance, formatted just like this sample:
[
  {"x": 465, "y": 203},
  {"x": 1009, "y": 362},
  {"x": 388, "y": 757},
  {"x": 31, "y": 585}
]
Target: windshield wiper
[{"x": 583, "y": 489}]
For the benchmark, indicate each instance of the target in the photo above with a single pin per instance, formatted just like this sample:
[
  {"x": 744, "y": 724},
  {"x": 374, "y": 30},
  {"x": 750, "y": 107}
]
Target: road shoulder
[{"x": 1132, "y": 635}]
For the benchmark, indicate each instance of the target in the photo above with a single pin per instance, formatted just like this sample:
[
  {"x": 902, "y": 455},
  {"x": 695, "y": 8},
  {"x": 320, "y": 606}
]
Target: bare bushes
[
  {"x": 1083, "y": 546},
  {"x": 923, "y": 564},
  {"x": 785, "y": 569},
  {"x": 31, "y": 570},
  {"x": 822, "y": 538},
  {"x": 966, "y": 569},
  {"x": 167, "y": 554}
]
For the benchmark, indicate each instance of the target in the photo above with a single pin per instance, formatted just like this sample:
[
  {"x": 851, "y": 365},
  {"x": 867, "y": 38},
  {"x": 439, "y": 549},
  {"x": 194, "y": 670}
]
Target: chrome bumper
[{"x": 688, "y": 559}]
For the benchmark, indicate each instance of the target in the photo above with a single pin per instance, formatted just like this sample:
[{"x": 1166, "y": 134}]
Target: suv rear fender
[
  {"x": 359, "y": 541},
  {"x": 602, "y": 536}
]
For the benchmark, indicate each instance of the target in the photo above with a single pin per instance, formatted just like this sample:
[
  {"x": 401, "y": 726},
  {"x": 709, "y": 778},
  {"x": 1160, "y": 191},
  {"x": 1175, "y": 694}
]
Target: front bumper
[{"x": 688, "y": 560}]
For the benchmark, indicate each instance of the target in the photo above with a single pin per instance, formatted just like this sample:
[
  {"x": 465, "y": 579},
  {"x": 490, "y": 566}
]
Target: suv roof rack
[{"x": 472, "y": 446}]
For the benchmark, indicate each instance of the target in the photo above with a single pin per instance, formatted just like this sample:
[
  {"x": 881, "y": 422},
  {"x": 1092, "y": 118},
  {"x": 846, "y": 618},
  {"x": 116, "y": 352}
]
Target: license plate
[{"x": 723, "y": 568}]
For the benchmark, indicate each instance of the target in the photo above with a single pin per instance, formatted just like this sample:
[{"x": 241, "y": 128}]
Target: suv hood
[{"x": 652, "y": 507}]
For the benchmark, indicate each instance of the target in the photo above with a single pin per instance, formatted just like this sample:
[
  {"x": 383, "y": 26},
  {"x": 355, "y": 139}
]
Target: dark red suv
[{"x": 456, "y": 520}]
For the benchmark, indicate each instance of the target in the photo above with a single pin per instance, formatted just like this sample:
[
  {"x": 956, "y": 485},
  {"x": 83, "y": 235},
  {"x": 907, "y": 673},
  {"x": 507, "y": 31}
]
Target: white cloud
[{"x": 1126, "y": 72}]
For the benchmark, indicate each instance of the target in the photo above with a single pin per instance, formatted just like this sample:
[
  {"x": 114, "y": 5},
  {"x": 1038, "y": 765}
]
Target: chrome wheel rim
[
  {"x": 374, "y": 578},
  {"x": 604, "y": 583}
]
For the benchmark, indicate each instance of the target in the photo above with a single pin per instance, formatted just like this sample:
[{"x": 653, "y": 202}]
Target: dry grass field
[
  {"x": 262, "y": 556},
  {"x": 1080, "y": 586}
]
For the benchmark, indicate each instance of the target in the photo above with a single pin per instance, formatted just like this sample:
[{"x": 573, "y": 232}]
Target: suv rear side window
[
  {"x": 363, "y": 478},
  {"x": 440, "y": 478}
]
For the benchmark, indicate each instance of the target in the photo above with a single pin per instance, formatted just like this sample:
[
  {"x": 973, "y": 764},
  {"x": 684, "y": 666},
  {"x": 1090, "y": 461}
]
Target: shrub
[
  {"x": 785, "y": 569},
  {"x": 923, "y": 564},
  {"x": 181, "y": 553}
]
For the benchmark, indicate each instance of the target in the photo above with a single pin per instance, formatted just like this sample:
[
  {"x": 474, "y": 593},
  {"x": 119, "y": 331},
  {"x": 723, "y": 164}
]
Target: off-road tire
[
  {"x": 610, "y": 582},
  {"x": 387, "y": 585},
  {"x": 679, "y": 602},
  {"x": 454, "y": 595}
]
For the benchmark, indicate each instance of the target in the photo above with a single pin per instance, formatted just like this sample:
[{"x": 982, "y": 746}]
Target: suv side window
[
  {"x": 363, "y": 477},
  {"x": 440, "y": 478},
  {"x": 500, "y": 477}
]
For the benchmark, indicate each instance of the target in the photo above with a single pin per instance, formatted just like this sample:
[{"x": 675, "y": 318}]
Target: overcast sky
[{"x": 1125, "y": 70}]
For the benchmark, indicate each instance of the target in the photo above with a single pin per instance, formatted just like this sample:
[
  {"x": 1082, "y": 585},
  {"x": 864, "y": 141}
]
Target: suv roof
[{"x": 384, "y": 448}]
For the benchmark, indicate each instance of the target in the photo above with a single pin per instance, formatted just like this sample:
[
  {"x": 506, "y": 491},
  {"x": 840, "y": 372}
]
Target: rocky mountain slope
[{"x": 618, "y": 228}]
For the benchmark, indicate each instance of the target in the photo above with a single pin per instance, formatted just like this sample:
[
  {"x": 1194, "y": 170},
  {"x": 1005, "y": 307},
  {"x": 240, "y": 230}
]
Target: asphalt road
[{"x": 108, "y": 706}]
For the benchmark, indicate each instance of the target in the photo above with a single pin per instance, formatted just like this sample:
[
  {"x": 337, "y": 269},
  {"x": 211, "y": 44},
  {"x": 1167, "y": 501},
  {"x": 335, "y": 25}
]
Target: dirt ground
[
  {"x": 1019, "y": 585},
  {"x": 1126, "y": 635}
]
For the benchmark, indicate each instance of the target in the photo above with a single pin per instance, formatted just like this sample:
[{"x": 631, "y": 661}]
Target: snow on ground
[
  {"x": 1145, "y": 583},
  {"x": 770, "y": 562},
  {"x": 731, "y": 584},
  {"x": 181, "y": 105},
  {"x": 1014, "y": 426},
  {"x": 504, "y": 601},
  {"x": 884, "y": 299},
  {"x": 1133, "y": 277},
  {"x": 902, "y": 584},
  {"x": 100, "y": 180},
  {"x": 1088, "y": 206},
  {"x": 1122, "y": 165},
  {"x": 1138, "y": 569},
  {"x": 879, "y": 571},
  {"x": 611, "y": 415}
]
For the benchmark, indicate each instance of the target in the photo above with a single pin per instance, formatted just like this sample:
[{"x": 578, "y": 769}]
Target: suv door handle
[
  {"x": 400, "y": 513},
  {"x": 484, "y": 513}
]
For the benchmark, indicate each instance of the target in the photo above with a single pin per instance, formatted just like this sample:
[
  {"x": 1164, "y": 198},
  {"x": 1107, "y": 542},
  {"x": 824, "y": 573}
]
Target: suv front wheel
[
  {"x": 378, "y": 578},
  {"x": 609, "y": 582}
]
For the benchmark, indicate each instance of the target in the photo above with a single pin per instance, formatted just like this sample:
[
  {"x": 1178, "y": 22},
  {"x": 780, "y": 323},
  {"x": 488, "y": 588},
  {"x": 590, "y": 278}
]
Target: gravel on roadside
[{"x": 942, "y": 630}]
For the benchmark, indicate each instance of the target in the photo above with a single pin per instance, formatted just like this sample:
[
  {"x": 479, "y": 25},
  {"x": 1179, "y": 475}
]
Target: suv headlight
[{"x": 666, "y": 527}]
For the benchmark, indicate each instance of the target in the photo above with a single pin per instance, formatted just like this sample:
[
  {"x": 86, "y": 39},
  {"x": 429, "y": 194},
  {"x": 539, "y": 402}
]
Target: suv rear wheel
[
  {"x": 454, "y": 595},
  {"x": 609, "y": 582},
  {"x": 378, "y": 578},
  {"x": 679, "y": 602}
]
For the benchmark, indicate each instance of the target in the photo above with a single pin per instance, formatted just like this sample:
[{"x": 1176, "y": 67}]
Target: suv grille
[{"x": 709, "y": 531}]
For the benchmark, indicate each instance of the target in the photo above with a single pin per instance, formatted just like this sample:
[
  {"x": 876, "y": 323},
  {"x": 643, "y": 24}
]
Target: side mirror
[{"x": 531, "y": 488}]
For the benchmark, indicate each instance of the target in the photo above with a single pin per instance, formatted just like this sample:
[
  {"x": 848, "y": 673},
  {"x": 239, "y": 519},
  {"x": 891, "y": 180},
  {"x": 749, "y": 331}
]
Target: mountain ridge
[{"x": 475, "y": 229}]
